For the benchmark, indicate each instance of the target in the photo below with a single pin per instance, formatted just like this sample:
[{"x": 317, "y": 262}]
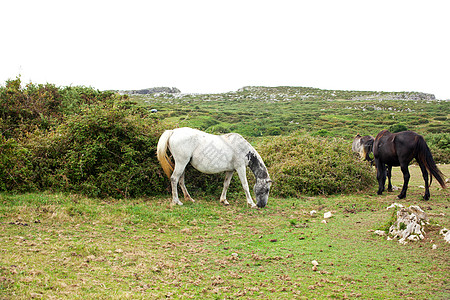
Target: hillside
[
  {"x": 262, "y": 111},
  {"x": 271, "y": 111}
]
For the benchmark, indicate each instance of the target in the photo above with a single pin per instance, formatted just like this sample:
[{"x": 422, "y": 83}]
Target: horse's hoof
[
  {"x": 401, "y": 196},
  {"x": 176, "y": 203}
]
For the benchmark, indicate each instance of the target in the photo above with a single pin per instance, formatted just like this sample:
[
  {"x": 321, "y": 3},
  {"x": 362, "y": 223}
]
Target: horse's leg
[
  {"x": 184, "y": 189},
  {"x": 226, "y": 184},
  {"x": 178, "y": 171},
  {"x": 425, "y": 178},
  {"x": 405, "y": 171},
  {"x": 381, "y": 175},
  {"x": 389, "y": 175},
  {"x": 243, "y": 177}
]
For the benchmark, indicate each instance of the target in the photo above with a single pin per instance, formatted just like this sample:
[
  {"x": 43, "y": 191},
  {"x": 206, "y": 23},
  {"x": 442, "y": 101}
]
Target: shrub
[
  {"x": 16, "y": 171},
  {"x": 439, "y": 144},
  {"x": 24, "y": 109},
  {"x": 302, "y": 164},
  {"x": 104, "y": 152},
  {"x": 44, "y": 107}
]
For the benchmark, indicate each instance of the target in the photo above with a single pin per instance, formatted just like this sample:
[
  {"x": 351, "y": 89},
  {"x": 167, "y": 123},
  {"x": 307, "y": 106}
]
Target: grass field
[{"x": 55, "y": 246}]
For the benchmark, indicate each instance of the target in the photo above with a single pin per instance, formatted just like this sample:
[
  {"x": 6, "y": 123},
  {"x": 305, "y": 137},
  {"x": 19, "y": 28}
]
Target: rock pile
[{"x": 409, "y": 225}]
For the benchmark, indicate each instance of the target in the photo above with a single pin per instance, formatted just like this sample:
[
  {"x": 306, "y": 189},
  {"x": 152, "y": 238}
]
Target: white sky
[{"x": 220, "y": 46}]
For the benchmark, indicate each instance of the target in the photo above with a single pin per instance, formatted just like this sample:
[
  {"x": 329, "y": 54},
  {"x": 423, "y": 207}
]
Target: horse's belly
[
  {"x": 212, "y": 159},
  {"x": 211, "y": 166}
]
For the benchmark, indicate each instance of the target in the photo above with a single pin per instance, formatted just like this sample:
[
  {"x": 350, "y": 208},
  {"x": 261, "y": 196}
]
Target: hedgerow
[{"x": 77, "y": 139}]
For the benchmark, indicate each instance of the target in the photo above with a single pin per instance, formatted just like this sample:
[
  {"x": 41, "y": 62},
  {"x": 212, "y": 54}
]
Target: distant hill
[
  {"x": 155, "y": 90},
  {"x": 309, "y": 92}
]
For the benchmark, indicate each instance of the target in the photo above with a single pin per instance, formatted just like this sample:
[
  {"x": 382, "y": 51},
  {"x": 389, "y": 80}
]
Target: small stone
[{"x": 327, "y": 215}]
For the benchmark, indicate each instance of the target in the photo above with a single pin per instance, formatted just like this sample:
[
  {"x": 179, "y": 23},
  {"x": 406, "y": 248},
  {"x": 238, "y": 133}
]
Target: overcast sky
[{"x": 220, "y": 46}]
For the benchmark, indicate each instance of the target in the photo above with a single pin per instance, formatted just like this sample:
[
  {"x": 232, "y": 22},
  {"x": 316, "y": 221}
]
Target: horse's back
[
  {"x": 184, "y": 141},
  {"x": 384, "y": 148},
  {"x": 393, "y": 148}
]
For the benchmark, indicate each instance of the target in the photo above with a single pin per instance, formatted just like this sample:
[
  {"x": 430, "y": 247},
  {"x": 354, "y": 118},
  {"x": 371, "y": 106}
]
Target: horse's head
[
  {"x": 356, "y": 145},
  {"x": 261, "y": 189}
]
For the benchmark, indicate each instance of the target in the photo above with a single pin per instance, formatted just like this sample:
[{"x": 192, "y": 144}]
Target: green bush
[
  {"x": 43, "y": 107},
  {"x": 302, "y": 164},
  {"x": 439, "y": 144},
  {"x": 16, "y": 170},
  {"x": 25, "y": 109},
  {"x": 77, "y": 139},
  {"x": 104, "y": 152}
]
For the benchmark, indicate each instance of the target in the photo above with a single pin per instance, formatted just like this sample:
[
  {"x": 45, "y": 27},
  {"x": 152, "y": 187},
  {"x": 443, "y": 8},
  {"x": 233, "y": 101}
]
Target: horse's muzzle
[{"x": 261, "y": 203}]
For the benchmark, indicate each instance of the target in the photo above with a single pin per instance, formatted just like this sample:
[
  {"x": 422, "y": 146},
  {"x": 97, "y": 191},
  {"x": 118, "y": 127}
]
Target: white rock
[
  {"x": 402, "y": 241},
  {"x": 313, "y": 212},
  {"x": 434, "y": 247},
  {"x": 446, "y": 233},
  {"x": 327, "y": 215},
  {"x": 380, "y": 232},
  {"x": 324, "y": 221},
  {"x": 394, "y": 205},
  {"x": 315, "y": 263},
  {"x": 413, "y": 237}
]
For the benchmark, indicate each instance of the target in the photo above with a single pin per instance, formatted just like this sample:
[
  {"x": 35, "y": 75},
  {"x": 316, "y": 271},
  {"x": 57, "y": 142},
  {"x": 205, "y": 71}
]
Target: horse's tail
[
  {"x": 161, "y": 153},
  {"x": 424, "y": 156}
]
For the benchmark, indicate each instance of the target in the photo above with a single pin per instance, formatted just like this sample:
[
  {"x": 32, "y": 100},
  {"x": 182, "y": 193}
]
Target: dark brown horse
[{"x": 398, "y": 149}]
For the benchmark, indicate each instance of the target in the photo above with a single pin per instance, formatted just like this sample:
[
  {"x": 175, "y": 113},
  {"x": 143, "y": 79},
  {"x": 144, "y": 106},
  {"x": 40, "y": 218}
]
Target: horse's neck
[
  {"x": 256, "y": 164},
  {"x": 243, "y": 147}
]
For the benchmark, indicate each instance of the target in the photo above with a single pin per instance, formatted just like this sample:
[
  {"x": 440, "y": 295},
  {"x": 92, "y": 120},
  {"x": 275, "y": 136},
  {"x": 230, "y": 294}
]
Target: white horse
[{"x": 212, "y": 154}]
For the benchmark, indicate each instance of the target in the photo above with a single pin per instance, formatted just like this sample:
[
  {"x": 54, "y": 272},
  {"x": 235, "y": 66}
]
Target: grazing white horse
[{"x": 212, "y": 154}]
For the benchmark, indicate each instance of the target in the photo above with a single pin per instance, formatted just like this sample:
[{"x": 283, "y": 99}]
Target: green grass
[{"x": 68, "y": 246}]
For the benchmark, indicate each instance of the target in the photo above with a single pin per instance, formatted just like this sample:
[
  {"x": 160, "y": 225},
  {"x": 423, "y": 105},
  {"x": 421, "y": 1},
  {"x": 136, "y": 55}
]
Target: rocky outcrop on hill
[
  {"x": 155, "y": 90},
  {"x": 397, "y": 96}
]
